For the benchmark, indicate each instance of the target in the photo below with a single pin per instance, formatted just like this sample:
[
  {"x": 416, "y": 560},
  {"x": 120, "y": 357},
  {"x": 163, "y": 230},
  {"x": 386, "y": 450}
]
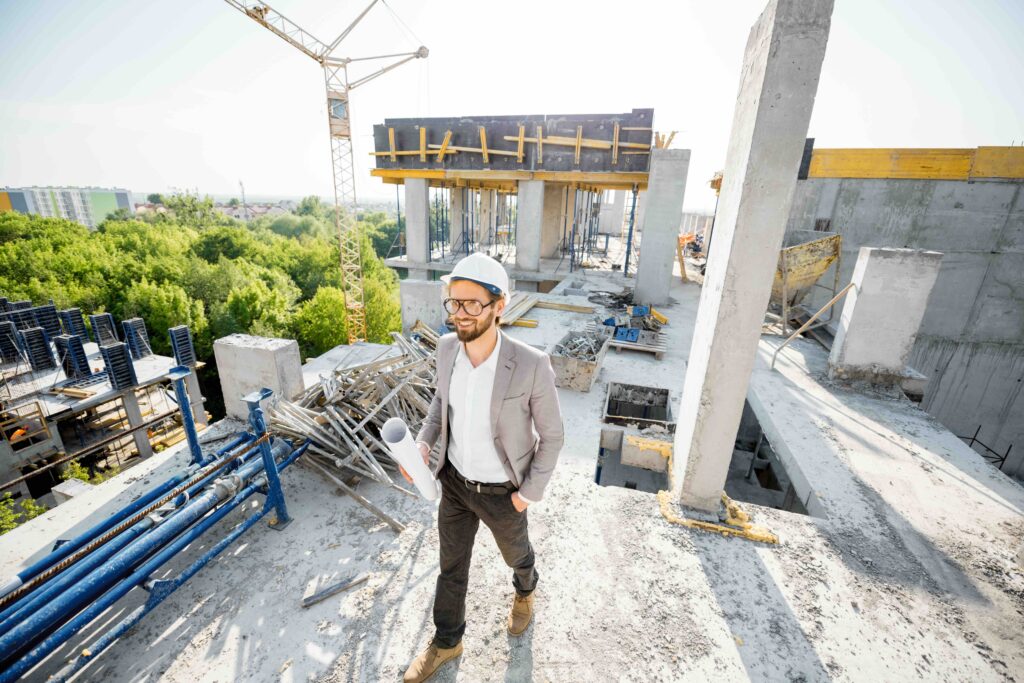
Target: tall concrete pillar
[
  {"x": 485, "y": 217},
  {"x": 778, "y": 83},
  {"x": 417, "y": 224},
  {"x": 530, "y": 217},
  {"x": 456, "y": 216},
  {"x": 551, "y": 223},
  {"x": 664, "y": 212},
  {"x": 134, "y": 414},
  {"x": 882, "y": 313}
]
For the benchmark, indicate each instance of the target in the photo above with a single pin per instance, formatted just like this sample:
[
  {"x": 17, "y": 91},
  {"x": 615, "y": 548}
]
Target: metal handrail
[{"x": 814, "y": 317}]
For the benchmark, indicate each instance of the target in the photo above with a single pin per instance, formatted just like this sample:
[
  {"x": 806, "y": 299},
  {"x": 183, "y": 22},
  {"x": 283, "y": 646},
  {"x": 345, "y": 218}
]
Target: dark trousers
[{"x": 458, "y": 519}]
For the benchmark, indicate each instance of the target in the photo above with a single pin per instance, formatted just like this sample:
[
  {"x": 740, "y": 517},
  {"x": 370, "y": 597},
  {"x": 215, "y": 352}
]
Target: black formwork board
[{"x": 466, "y": 133}]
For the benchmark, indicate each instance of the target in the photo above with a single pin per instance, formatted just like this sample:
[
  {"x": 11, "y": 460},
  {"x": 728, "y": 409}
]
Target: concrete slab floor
[{"x": 912, "y": 580}]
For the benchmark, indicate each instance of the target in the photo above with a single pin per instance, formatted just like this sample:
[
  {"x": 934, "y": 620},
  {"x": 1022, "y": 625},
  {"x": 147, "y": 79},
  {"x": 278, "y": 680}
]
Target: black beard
[{"x": 481, "y": 326}]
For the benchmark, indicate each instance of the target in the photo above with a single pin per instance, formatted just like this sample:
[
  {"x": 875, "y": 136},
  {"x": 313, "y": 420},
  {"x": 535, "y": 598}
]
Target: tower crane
[{"x": 336, "y": 80}]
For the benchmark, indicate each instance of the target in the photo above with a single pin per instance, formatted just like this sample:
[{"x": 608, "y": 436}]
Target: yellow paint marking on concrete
[{"x": 737, "y": 521}]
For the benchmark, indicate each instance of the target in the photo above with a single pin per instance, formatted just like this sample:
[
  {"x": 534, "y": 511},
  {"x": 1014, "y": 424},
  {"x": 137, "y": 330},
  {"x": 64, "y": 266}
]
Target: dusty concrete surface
[{"x": 909, "y": 580}]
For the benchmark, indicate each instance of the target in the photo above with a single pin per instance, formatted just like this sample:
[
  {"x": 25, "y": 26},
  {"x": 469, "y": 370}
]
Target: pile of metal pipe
[
  {"x": 49, "y": 602},
  {"x": 342, "y": 414}
]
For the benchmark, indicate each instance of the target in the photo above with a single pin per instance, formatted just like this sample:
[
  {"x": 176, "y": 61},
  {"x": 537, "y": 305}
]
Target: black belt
[{"x": 503, "y": 489}]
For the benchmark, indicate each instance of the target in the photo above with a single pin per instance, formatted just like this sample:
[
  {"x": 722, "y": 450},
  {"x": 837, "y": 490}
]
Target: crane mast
[{"x": 338, "y": 87}]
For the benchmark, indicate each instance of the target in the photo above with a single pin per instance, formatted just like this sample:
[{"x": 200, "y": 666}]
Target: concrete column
[
  {"x": 247, "y": 363},
  {"x": 417, "y": 224},
  {"x": 612, "y": 211},
  {"x": 421, "y": 300},
  {"x": 551, "y": 223},
  {"x": 882, "y": 313},
  {"x": 530, "y": 217},
  {"x": 456, "y": 217},
  {"x": 134, "y": 413},
  {"x": 664, "y": 212},
  {"x": 778, "y": 83},
  {"x": 501, "y": 208},
  {"x": 485, "y": 217},
  {"x": 195, "y": 397}
]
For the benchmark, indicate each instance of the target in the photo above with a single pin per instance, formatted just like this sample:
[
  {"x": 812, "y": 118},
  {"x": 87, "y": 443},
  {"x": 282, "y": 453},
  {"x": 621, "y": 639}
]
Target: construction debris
[
  {"x": 343, "y": 413},
  {"x": 576, "y": 359}
]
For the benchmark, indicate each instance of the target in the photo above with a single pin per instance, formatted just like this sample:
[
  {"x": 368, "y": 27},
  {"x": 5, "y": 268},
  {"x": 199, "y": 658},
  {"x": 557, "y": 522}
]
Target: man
[{"x": 496, "y": 421}]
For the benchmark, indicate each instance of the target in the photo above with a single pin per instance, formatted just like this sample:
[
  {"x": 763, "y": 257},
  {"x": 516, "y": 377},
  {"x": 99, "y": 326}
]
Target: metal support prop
[
  {"x": 629, "y": 239},
  {"x": 178, "y": 375},
  {"x": 275, "y": 496}
]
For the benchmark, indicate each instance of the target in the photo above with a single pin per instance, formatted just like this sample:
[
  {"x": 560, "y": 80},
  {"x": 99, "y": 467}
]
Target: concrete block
[
  {"x": 649, "y": 452},
  {"x": 611, "y": 438},
  {"x": 661, "y": 225},
  {"x": 246, "y": 363},
  {"x": 778, "y": 83},
  {"x": 422, "y": 300},
  {"x": 66, "y": 490},
  {"x": 882, "y": 313}
]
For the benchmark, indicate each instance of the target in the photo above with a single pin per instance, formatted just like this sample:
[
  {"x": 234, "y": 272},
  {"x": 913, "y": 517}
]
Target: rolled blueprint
[{"x": 405, "y": 451}]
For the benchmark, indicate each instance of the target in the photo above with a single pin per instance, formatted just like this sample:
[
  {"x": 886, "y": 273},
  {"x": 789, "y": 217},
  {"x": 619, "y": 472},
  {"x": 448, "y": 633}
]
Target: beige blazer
[{"x": 525, "y": 418}]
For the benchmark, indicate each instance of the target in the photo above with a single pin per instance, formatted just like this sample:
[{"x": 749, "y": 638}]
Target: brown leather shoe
[
  {"x": 521, "y": 614},
  {"x": 429, "y": 661}
]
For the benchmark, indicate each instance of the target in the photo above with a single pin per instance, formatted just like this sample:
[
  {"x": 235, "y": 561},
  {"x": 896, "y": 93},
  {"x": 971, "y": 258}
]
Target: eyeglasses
[{"x": 470, "y": 306}]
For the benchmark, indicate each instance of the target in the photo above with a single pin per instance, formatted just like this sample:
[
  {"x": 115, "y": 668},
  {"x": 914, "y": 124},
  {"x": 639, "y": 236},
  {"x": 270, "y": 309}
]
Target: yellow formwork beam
[{"x": 919, "y": 164}]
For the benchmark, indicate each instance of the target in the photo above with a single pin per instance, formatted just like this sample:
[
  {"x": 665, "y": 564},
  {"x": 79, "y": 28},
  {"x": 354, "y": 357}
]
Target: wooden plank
[
  {"x": 475, "y": 150},
  {"x": 391, "y": 143},
  {"x": 586, "y": 143},
  {"x": 444, "y": 145},
  {"x": 565, "y": 307},
  {"x": 483, "y": 144},
  {"x": 635, "y": 128},
  {"x": 519, "y": 151},
  {"x": 423, "y": 143},
  {"x": 579, "y": 139},
  {"x": 540, "y": 145},
  {"x": 615, "y": 145}
]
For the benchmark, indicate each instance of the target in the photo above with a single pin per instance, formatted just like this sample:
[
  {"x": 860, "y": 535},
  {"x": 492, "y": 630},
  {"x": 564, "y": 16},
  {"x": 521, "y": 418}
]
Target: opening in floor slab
[
  {"x": 757, "y": 474},
  {"x": 632, "y": 461}
]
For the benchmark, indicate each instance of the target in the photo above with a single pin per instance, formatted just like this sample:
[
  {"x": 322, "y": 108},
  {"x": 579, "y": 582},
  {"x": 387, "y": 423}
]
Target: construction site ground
[{"x": 905, "y": 569}]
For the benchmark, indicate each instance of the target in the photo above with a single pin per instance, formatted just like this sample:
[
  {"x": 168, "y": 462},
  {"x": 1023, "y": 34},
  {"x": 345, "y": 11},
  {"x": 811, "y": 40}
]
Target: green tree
[
  {"x": 12, "y": 514},
  {"x": 162, "y": 306},
  {"x": 319, "y": 324},
  {"x": 194, "y": 212},
  {"x": 155, "y": 198},
  {"x": 257, "y": 309}
]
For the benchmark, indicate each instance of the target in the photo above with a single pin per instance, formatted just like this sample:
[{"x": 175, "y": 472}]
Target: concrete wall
[
  {"x": 421, "y": 300},
  {"x": 971, "y": 340}
]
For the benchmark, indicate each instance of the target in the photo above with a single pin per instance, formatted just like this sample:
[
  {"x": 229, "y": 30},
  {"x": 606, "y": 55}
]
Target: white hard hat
[{"x": 483, "y": 270}]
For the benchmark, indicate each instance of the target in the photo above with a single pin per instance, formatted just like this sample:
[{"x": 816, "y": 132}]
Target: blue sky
[{"x": 192, "y": 94}]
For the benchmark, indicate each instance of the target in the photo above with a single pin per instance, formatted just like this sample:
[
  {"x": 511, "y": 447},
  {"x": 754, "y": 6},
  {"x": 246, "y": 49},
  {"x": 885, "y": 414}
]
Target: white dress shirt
[{"x": 470, "y": 442}]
